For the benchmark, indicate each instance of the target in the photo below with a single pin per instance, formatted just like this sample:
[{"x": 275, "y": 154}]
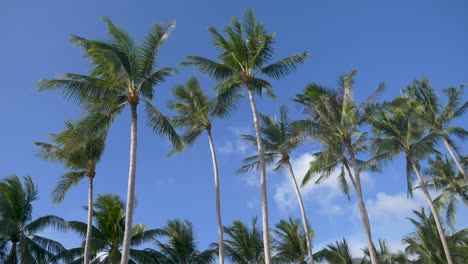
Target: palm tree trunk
[
  {"x": 362, "y": 207},
  {"x": 89, "y": 228},
  {"x": 131, "y": 187},
  {"x": 433, "y": 210},
  {"x": 304, "y": 216},
  {"x": 261, "y": 159},
  {"x": 455, "y": 158},
  {"x": 218, "y": 200},
  {"x": 12, "y": 255}
]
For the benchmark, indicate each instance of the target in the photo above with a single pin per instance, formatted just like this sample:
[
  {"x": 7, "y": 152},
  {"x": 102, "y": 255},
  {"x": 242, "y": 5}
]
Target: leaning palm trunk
[
  {"x": 303, "y": 214},
  {"x": 433, "y": 210},
  {"x": 218, "y": 200},
  {"x": 455, "y": 158},
  {"x": 131, "y": 187},
  {"x": 89, "y": 227},
  {"x": 261, "y": 160}
]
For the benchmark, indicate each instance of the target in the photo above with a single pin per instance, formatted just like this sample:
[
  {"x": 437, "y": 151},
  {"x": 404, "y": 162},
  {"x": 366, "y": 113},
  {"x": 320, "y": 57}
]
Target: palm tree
[
  {"x": 122, "y": 74},
  {"x": 399, "y": 128},
  {"x": 442, "y": 177},
  {"x": 338, "y": 253},
  {"x": 425, "y": 243},
  {"x": 335, "y": 122},
  {"x": 79, "y": 151},
  {"x": 279, "y": 138},
  {"x": 384, "y": 255},
  {"x": 181, "y": 246},
  {"x": 18, "y": 228},
  {"x": 195, "y": 114},
  {"x": 290, "y": 242},
  {"x": 243, "y": 56},
  {"x": 108, "y": 235},
  {"x": 438, "y": 118},
  {"x": 244, "y": 245}
]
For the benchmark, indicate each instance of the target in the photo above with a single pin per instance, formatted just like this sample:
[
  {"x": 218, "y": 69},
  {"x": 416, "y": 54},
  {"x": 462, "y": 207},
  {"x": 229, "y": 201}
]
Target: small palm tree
[
  {"x": 181, "y": 246},
  {"x": 425, "y": 243},
  {"x": 384, "y": 255},
  {"x": 399, "y": 128},
  {"x": 195, "y": 115},
  {"x": 442, "y": 177},
  {"x": 79, "y": 151},
  {"x": 244, "y": 55},
  {"x": 279, "y": 138},
  {"x": 18, "y": 228},
  {"x": 122, "y": 74},
  {"x": 290, "y": 242},
  {"x": 244, "y": 245},
  {"x": 335, "y": 121},
  {"x": 108, "y": 235},
  {"x": 438, "y": 118},
  {"x": 338, "y": 253}
]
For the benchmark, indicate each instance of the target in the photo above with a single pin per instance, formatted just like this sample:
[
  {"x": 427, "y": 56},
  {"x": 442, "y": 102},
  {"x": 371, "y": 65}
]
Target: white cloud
[
  {"x": 237, "y": 145},
  {"x": 226, "y": 148}
]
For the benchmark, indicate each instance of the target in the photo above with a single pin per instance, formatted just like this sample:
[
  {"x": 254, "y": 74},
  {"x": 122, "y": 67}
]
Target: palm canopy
[
  {"x": 290, "y": 242},
  {"x": 19, "y": 229},
  {"x": 384, "y": 255},
  {"x": 122, "y": 73},
  {"x": 77, "y": 149},
  {"x": 108, "y": 232},
  {"x": 244, "y": 54},
  {"x": 279, "y": 137},
  {"x": 181, "y": 245},
  {"x": 338, "y": 253},
  {"x": 425, "y": 243}
]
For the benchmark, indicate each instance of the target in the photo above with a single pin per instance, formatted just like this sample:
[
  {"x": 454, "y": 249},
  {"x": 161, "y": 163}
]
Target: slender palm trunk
[
  {"x": 218, "y": 200},
  {"x": 303, "y": 214},
  {"x": 362, "y": 207},
  {"x": 433, "y": 210},
  {"x": 261, "y": 159},
  {"x": 131, "y": 187},
  {"x": 12, "y": 255},
  {"x": 455, "y": 158},
  {"x": 89, "y": 228}
]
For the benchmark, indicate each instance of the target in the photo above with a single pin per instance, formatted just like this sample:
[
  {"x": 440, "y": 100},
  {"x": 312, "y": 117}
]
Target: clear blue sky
[{"x": 392, "y": 41}]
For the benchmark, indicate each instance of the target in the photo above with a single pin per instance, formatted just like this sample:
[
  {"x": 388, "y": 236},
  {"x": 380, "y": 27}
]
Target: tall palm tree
[
  {"x": 196, "y": 113},
  {"x": 438, "y": 117},
  {"x": 243, "y": 244},
  {"x": 122, "y": 74},
  {"x": 398, "y": 128},
  {"x": 80, "y": 151},
  {"x": 335, "y": 122},
  {"x": 181, "y": 245},
  {"x": 442, "y": 177},
  {"x": 244, "y": 55},
  {"x": 290, "y": 242},
  {"x": 108, "y": 235},
  {"x": 425, "y": 243},
  {"x": 279, "y": 138},
  {"x": 338, "y": 253},
  {"x": 20, "y": 230}
]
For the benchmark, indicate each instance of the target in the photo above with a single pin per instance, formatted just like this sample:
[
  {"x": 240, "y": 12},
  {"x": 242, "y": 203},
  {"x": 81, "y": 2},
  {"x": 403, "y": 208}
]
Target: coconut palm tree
[
  {"x": 438, "y": 117},
  {"x": 196, "y": 113},
  {"x": 279, "y": 138},
  {"x": 108, "y": 235},
  {"x": 122, "y": 74},
  {"x": 79, "y": 151},
  {"x": 425, "y": 243},
  {"x": 19, "y": 229},
  {"x": 181, "y": 245},
  {"x": 443, "y": 178},
  {"x": 384, "y": 255},
  {"x": 335, "y": 122},
  {"x": 398, "y": 128},
  {"x": 290, "y": 242},
  {"x": 338, "y": 253},
  {"x": 243, "y": 244},
  {"x": 244, "y": 55}
]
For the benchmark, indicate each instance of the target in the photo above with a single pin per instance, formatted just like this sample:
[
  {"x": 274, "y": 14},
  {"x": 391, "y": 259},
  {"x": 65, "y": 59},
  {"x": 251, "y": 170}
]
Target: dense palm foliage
[
  {"x": 290, "y": 242},
  {"x": 279, "y": 138},
  {"x": 122, "y": 74},
  {"x": 339, "y": 253},
  {"x": 18, "y": 231},
  {"x": 384, "y": 256},
  {"x": 244, "y": 55},
  {"x": 79, "y": 151}
]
